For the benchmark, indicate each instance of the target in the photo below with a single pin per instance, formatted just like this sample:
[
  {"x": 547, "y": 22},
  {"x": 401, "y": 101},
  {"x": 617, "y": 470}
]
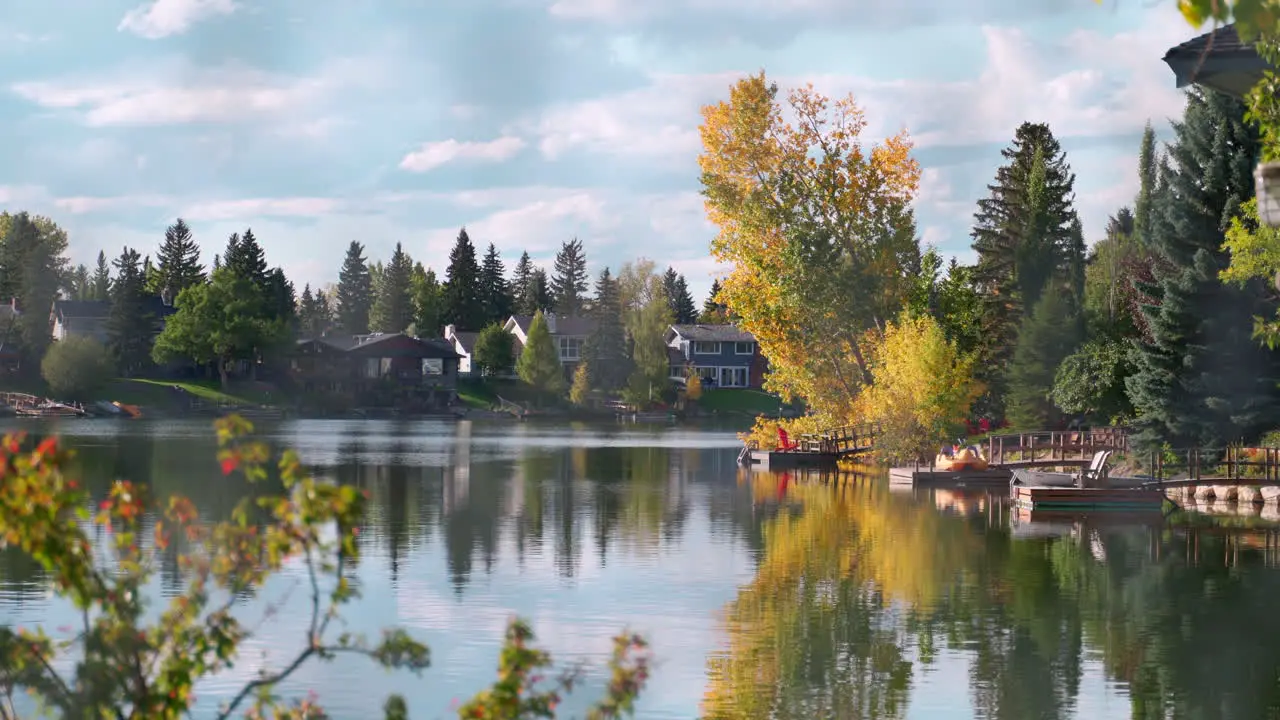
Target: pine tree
[
  {"x": 281, "y": 298},
  {"x": 101, "y": 283},
  {"x": 1025, "y": 233},
  {"x": 130, "y": 324},
  {"x": 679, "y": 299},
  {"x": 355, "y": 292},
  {"x": 246, "y": 258},
  {"x": 520, "y": 288},
  {"x": 606, "y": 346},
  {"x": 462, "y": 293},
  {"x": 539, "y": 361},
  {"x": 178, "y": 260},
  {"x": 1202, "y": 380},
  {"x": 714, "y": 312},
  {"x": 428, "y": 304},
  {"x": 569, "y": 283},
  {"x": 1046, "y": 338},
  {"x": 494, "y": 290},
  {"x": 540, "y": 296},
  {"x": 81, "y": 284},
  {"x": 1148, "y": 165},
  {"x": 393, "y": 307},
  {"x": 309, "y": 322}
]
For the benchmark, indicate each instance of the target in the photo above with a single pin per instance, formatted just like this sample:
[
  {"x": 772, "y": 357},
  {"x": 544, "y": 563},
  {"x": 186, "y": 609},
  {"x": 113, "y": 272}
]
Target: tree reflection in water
[{"x": 859, "y": 589}]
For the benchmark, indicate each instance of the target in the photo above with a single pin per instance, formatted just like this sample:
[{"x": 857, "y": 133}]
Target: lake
[{"x": 762, "y": 596}]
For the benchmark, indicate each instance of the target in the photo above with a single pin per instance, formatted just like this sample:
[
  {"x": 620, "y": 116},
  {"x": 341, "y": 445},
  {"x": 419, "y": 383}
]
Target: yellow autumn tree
[
  {"x": 923, "y": 387},
  {"x": 817, "y": 227}
]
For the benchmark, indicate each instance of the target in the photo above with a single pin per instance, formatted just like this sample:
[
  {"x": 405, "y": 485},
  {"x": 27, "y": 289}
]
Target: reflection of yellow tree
[
  {"x": 814, "y": 634},
  {"x": 643, "y": 504}
]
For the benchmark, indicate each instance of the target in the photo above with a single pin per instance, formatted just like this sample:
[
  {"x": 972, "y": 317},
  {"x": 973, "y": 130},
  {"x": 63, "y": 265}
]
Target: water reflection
[{"x": 874, "y": 604}]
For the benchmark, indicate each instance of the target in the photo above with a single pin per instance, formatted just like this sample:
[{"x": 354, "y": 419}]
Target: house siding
[{"x": 735, "y": 364}]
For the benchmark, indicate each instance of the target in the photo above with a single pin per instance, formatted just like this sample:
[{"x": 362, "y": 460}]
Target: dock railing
[
  {"x": 1047, "y": 447},
  {"x": 1236, "y": 465}
]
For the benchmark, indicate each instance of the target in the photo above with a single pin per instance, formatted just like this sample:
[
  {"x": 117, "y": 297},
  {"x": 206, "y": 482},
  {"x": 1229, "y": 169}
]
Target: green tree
[
  {"x": 393, "y": 309},
  {"x": 1108, "y": 285},
  {"x": 1090, "y": 382},
  {"x": 101, "y": 283},
  {"x": 463, "y": 303},
  {"x": 1047, "y": 337},
  {"x": 539, "y": 361},
  {"x": 428, "y": 303},
  {"x": 355, "y": 291},
  {"x": 580, "y": 390},
  {"x": 81, "y": 285},
  {"x": 216, "y": 322},
  {"x": 522, "y": 299},
  {"x": 1148, "y": 167},
  {"x": 1025, "y": 232},
  {"x": 280, "y": 299},
  {"x": 606, "y": 346},
  {"x": 540, "y": 297},
  {"x": 646, "y": 319},
  {"x": 495, "y": 350},
  {"x": 569, "y": 283},
  {"x": 131, "y": 324},
  {"x": 495, "y": 292},
  {"x": 1202, "y": 380},
  {"x": 179, "y": 259},
  {"x": 245, "y": 257},
  {"x": 76, "y": 367},
  {"x": 32, "y": 269},
  {"x": 132, "y": 663},
  {"x": 676, "y": 288},
  {"x": 315, "y": 316},
  {"x": 714, "y": 312}
]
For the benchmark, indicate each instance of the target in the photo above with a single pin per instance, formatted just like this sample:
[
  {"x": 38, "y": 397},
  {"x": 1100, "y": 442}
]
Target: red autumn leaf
[
  {"x": 229, "y": 464},
  {"x": 48, "y": 446}
]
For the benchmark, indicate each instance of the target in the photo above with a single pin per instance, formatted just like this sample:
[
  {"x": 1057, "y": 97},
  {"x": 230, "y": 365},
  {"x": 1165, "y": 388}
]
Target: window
[
  {"x": 706, "y": 348},
  {"x": 570, "y": 348},
  {"x": 707, "y": 373},
  {"x": 733, "y": 377},
  {"x": 432, "y": 366},
  {"x": 371, "y": 366},
  {"x": 744, "y": 348}
]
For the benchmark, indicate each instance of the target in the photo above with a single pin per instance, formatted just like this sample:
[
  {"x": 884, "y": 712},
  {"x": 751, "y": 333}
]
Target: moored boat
[{"x": 968, "y": 457}]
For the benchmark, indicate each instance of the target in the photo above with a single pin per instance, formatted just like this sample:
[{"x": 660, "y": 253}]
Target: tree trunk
[{"x": 222, "y": 373}]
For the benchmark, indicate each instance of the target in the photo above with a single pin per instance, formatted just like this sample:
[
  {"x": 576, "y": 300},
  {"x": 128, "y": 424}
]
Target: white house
[
  {"x": 464, "y": 344},
  {"x": 568, "y": 332}
]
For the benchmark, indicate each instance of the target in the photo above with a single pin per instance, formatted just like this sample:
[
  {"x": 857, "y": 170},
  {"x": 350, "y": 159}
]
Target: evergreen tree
[
  {"x": 1202, "y": 380},
  {"x": 714, "y": 312},
  {"x": 462, "y": 293},
  {"x": 32, "y": 268},
  {"x": 679, "y": 299},
  {"x": 130, "y": 325},
  {"x": 246, "y": 258},
  {"x": 539, "y": 361},
  {"x": 1046, "y": 338},
  {"x": 101, "y": 283},
  {"x": 494, "y": 290},
  {"x": 355, "y": 292},
  {"x": 179, "y": 259},
  {"x": 281, "y": 298},
  {"x": 1148, "y": 166},
  {"x": 308, "y": 326},
  {"x": 606, "y": 347},
  {"x": 428, "y": 304},
  {"x": 81, "y": 283},
  {"x": 569, "y": 283},
  {"x": 540, "y": 297},
  {"x": 393, "y": 306},
  {"x": 520, "y": 286},
  {"x": 1025, "y": 233}
]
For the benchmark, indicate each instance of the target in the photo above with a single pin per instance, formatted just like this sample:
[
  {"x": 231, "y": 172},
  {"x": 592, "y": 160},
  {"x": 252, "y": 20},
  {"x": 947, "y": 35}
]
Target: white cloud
[
  {"x": 432, "y": 155},
  {"x": 162, "y": 18}
]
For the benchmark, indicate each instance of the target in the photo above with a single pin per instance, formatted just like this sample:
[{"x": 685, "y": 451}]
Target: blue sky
[{"x": 529, "y": 121}]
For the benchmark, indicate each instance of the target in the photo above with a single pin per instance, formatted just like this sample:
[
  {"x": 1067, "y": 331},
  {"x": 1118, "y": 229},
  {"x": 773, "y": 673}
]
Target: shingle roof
[
  {"x": 467, "y": 340},
  {"x": 560, "y": 324},
  {"x": 712, "y": 333},
  {"x": 1217, "y": 60},
  {"x": 102, "y": 308},
  {"x": 347, "y": 343}
]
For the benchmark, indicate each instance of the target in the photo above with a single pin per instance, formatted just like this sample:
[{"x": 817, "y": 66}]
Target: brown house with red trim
[{"x": 380, "y": 367}]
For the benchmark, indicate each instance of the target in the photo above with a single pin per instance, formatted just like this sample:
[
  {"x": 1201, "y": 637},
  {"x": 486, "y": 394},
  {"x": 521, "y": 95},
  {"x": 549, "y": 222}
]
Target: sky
[{"x": 531, "y": 121}]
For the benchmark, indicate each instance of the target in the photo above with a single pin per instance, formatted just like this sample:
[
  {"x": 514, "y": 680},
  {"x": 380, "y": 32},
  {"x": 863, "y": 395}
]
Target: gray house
[{"x": 722, "y": 355}]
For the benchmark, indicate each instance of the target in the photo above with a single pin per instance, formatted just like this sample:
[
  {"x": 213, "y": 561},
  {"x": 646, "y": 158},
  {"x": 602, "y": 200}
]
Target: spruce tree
[
  {"x": 1047, "y": 336},
  {"x": 1202, "y": 380},
  {"x": 606, "y": 346},
  {"x": 130, "y": 324},
  {"x": 307, "y": 312},
  {"x": 679, "y": 299},
  {"x": 246, "y": 258},
  {"x": 714, "y": 312},
  {"x": 494, "y": 290},
  {"x": 428, "y": 304},
  {"x": 101, "y": 283},
  {"x": 355, "y": 292},
  {"x": 178, "y": 259},
  {"x": 520, "y": 289},
  {"x": 539, "y": 361},
  {"x": 462, "y": 297},
  {"x": 393, "y": 307},
  {"x": 280, "y": 300},
  {"x": 569, "y": 283},
  {"x": 1148, "y": 166},
  {"x": 540, "y": 296}
]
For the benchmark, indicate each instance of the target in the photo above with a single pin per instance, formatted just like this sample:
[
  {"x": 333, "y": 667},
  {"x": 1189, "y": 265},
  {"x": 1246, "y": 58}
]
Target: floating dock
[
  {"x": 775, "y": 460},
  {"x": 1035, "y": 498},
  {"x": 923, "y": 477}
]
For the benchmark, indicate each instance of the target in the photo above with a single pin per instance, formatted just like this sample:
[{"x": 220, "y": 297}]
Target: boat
[
  {"x": 955, "y": 457},
  {"x": 130, "y": 410},
  {"x": 50, "y": 409}
]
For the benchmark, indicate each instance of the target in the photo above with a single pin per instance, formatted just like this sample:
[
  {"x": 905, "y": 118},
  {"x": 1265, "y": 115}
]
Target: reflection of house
[
  {"x": 722, "y": 355},
  {"x": 464, "y": 344},
  {"x": 88, "y": 318},
  {"x": 569, "y": 333},
  {"x": 358, "y": 365}
]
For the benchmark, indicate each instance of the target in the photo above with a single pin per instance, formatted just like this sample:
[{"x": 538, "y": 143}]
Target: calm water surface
[{"x": 762, "y": 597}]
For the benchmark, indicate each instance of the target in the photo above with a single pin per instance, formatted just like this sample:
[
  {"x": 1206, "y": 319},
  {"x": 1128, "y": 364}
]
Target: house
[
  {"x": 361, "y": 366},
  {"x": 464, "y": 344},
  {"x": 569, "y": 333},
  {"x": 88, "y": 318},
  {"x": 722, "y": 355}
]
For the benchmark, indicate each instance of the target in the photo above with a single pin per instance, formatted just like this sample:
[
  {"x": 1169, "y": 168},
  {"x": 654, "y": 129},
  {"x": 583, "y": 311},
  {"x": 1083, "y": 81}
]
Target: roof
[
  {"x": 99, "y": 309},
  {"x": 467, "y": 340},
  {"x": 559, "y": 324},
  {"x": 367, "y": 344},
  {"x": 712, "y": 333},
  {"x": 1217, "y": 60}
]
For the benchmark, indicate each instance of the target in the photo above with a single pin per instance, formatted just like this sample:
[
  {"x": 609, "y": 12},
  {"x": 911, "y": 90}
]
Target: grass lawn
[
  {"x": 477, "y": 393},
  {"x": 750, "y": 402},
  {"x": 159, "y": 393}
]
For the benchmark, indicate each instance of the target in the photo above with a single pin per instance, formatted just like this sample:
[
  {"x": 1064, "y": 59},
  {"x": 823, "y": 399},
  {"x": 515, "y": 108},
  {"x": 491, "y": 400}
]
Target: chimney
[
  {"x": 166, "y": 297},
  {"x": 551, "y": 322},
  {"x": 450, "y": 331}
]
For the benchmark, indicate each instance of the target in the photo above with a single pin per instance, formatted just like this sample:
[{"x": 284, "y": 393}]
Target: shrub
[
  {"x": 76, "y": 367},
  {"x": 130, "y": 669}
]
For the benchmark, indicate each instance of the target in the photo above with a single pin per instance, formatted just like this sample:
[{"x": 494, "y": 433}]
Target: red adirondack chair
[{"x": 784, "y": 442}]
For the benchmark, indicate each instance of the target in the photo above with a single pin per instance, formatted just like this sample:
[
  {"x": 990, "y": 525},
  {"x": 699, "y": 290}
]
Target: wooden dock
[
  {"x": 788, "y": 460},
  {"x": 1033, "y": 498},
  {"x": 924, "y": 477}
]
